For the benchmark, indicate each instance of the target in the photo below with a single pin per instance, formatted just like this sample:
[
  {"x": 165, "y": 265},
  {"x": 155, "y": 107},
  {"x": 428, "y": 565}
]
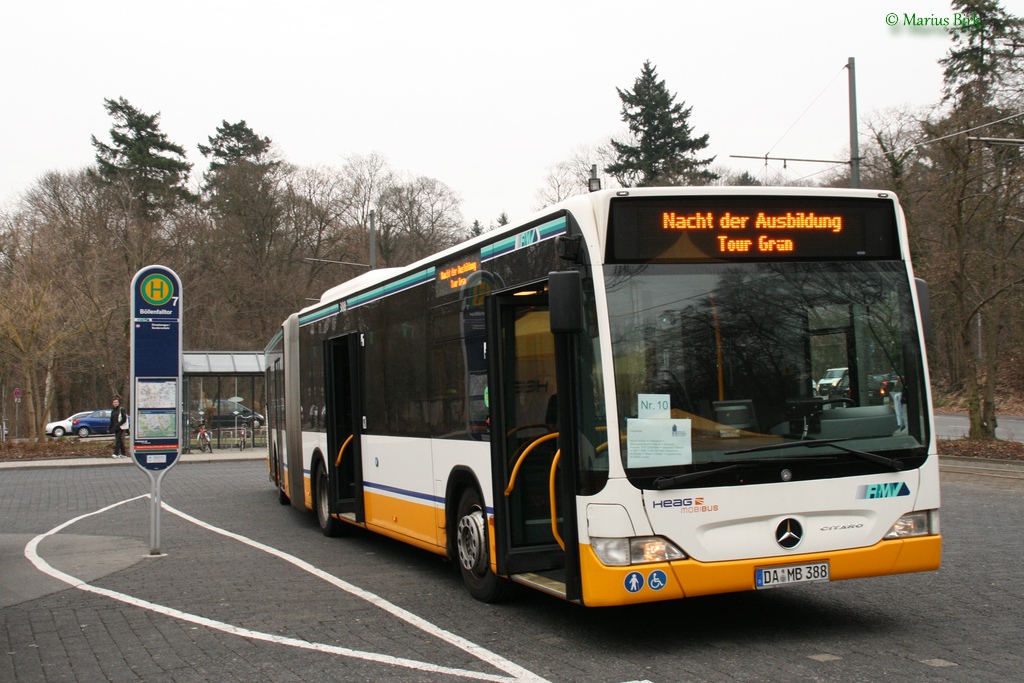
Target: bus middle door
[{"x": 524, "y": 442}]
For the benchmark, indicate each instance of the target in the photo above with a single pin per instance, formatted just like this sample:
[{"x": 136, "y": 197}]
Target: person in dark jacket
[{"x": 118, "y": 426}]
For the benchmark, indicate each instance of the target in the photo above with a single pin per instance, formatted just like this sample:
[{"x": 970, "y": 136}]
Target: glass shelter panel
[{"x": 230, "y": 407}]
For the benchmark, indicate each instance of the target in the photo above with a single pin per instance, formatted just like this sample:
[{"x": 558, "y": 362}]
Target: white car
[
  {"x": 832, "y": 380},
  {"x": 62, "y": 427}
]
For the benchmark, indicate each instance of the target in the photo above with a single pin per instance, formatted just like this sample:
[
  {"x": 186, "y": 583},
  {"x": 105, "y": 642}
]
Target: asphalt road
[
  {"x": 248, "y": 590},
  {"x": 958, "y": 426}
]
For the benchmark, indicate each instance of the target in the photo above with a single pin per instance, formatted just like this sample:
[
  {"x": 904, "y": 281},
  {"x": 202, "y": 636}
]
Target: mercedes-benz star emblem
[{"x": 789, "y": 533}]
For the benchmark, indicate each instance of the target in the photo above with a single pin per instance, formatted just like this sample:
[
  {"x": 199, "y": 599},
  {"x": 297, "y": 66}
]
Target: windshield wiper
[
  {"x": 873, "y": 457},
  {"x": 662, "y": 483},
  {"x": 787, "y": 444}
]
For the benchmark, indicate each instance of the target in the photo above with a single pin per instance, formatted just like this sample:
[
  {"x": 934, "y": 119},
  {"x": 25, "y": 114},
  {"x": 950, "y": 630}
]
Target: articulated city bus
[{"x": 619, "y": 400}]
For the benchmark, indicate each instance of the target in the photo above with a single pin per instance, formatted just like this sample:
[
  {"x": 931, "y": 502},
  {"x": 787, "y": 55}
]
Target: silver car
[{"x": 61, "y": 427}]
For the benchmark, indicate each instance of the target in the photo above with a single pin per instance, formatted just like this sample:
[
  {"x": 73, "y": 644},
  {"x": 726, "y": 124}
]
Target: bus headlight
[
  {"x": 920, "y": 523},
  {"x": 622, "y": 552}
]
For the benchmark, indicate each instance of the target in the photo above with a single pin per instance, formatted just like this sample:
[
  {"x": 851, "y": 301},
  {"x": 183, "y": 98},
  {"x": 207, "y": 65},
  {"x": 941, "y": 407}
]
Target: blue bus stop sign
[{"x": 156, "y": 368}]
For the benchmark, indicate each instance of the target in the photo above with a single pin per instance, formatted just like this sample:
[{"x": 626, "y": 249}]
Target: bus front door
[
  {"x": 529, "y": 491},
  {"x": 344, "y": 426}
]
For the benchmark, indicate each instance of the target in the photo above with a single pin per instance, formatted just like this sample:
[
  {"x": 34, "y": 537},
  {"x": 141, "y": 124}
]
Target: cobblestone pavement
[
  {"x": 211, "y": 607},
  {"x": 216, "y": 605}
]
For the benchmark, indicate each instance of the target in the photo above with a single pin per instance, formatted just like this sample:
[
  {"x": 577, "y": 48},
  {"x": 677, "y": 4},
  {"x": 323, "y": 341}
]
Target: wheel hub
[{"x": 472, "y": 553}]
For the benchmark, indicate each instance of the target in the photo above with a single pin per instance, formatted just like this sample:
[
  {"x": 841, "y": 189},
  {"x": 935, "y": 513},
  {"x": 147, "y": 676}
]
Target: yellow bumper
[{"x": 606, "y": 586}]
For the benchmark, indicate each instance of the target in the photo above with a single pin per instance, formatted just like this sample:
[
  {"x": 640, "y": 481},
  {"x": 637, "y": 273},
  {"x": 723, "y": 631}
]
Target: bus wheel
[
  {"x": 329, "y": 525},
  {"x": 474, "y": 558}
]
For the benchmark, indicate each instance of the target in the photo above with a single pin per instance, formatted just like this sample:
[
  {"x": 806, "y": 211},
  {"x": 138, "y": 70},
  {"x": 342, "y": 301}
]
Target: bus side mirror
[
  {"x": 924, "y": 302},
  {"x": 565, "y": 301}
]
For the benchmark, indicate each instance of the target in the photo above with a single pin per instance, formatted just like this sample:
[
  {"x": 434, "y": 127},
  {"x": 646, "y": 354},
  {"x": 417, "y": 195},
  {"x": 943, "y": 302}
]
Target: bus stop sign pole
[{"x": 156, "y": 380}]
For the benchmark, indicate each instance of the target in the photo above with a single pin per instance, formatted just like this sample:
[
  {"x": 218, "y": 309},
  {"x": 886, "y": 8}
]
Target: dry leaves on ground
[
  {"x": 55, "y": 448},
  {"x": 994, "y": 449}
]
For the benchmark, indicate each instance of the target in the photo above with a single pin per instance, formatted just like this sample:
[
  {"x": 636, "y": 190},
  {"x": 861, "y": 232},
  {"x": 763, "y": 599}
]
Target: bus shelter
[{"x": 224, "y": 390}]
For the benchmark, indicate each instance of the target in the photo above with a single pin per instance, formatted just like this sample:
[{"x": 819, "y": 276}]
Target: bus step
[{"x": 551, "y": 582}]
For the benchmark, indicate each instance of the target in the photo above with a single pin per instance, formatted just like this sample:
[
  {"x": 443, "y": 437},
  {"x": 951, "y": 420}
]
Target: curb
[
  {"x": 184, "y": 458},
  {"x": 963, "y": 465}
]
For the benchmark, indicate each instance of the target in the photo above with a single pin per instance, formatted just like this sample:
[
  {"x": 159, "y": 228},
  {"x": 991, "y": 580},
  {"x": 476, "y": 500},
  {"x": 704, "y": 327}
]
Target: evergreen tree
[
  {"x": 746, "y": 179},
  {"x": 974, "y": 202},
  {"x": 665, "y": 150},
  {"x": 152, "y": 167},
  {"x": 244, "y": 189},
  {"x": 235, "y": 143},
  {"x": 987, "y": 58}
]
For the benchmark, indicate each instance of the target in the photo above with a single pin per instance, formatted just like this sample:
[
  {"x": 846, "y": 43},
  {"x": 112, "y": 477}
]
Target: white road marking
[{"x": 516, "y": 672}]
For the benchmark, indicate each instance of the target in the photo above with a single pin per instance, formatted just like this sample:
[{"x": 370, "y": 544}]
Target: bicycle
[
  {"x": 204, "y": 438},
  {"x": 241, "y": 437}
]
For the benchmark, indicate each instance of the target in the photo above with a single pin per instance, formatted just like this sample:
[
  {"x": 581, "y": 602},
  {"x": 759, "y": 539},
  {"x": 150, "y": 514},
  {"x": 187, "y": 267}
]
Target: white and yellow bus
[{"x": 617, "y": 400}]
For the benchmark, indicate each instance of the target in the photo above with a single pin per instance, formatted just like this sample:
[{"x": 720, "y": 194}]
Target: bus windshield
[{"x": 751, "y": 363}]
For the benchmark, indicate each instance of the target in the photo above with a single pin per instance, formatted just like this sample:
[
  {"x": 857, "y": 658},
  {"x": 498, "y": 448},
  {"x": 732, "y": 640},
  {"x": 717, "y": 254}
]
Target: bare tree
[
  {"x": 417, "y": 218},
  {"x": 571, "y": 176},
  {"x": 38, "y": 328},
  {"x": 977, "y": 198}
]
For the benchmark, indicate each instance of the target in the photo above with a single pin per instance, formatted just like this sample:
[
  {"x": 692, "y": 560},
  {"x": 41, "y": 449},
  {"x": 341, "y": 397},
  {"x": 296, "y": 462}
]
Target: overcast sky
[{"x": 483, "y": 96}]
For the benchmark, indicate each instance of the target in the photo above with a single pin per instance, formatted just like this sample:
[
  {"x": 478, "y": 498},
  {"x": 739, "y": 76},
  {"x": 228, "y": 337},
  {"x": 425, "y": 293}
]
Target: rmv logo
[
  {"x": 888, "y": 490},
  {"x": 527, "y": 238}
]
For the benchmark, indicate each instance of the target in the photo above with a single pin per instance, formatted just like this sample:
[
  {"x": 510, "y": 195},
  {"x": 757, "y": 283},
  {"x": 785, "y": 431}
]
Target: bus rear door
[{"x": 344, "y": 425}]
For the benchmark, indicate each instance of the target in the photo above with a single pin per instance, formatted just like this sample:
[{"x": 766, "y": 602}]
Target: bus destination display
[{"x": 739, "y": 228}]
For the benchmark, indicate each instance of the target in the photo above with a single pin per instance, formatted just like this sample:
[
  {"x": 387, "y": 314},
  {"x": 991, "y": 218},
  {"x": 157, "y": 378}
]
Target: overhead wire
[
  {"x": 802, "y": 114},
  {"x": 869, "y": 156},
  {"x": 922, "y": 143}
]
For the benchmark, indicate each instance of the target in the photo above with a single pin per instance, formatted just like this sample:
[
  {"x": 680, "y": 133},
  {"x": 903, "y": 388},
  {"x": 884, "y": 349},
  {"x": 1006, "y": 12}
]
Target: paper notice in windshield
[{"x": 658, "y": 443}]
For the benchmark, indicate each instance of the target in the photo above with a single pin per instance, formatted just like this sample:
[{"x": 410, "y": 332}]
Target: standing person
[{"x": 118, "y": 421}]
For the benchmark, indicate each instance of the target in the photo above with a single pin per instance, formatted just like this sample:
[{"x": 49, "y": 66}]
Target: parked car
[
  {"x": 828, "y": 384},
  {"x": 62, "y": 427},
  {"x": 221, "y": 414},
  {"x": 96, "y": 422}
]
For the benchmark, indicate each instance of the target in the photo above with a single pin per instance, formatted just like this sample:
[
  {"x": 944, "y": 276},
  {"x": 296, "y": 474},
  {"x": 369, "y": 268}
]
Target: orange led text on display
[
  {"x": 455, "y": 276},
  {"x": 736, "y": 243}
]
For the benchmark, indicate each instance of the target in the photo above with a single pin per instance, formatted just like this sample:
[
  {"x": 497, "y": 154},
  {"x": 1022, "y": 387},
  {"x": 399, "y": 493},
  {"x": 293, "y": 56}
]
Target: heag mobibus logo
[{"x": 684, "y": 505}]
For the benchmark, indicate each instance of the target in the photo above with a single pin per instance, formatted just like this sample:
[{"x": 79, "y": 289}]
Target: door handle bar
[{"x": 337, "y": 463}]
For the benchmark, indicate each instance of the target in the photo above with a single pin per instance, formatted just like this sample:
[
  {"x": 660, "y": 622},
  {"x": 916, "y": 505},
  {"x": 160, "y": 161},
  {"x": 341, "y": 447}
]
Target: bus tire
[
  {"x": 330, "y": 526},
  {"x": 473, "y": 549}
]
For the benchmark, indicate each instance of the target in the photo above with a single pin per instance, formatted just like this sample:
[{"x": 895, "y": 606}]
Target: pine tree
[
  {"x": 242, "y": 189},
  {"x": 986, "y": 61},
  {"x": 140, "y": 156},
  {"x": 975, "y": 194},
  {"x": 665, "y": 150},
  {"x": 235, "y": 143}
]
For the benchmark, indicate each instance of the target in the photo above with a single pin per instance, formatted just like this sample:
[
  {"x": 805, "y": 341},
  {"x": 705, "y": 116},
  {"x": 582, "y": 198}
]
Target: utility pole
[
  {"x": 373, "y": 243},
  {"x": 854, "y": 144}
]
